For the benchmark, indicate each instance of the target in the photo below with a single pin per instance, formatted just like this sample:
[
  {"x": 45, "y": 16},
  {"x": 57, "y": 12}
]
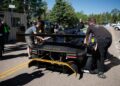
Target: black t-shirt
[{"x": 99, "y": 32}]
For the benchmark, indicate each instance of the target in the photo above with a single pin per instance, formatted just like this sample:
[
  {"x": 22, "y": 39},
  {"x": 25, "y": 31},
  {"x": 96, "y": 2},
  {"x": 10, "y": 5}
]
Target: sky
[{"x": 90, "y": 6}]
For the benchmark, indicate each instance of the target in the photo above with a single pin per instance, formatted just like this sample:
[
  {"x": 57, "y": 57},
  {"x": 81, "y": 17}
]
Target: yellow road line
[
  {"x": 23, "y": 65},
  {"x": 13, "y": 70}
]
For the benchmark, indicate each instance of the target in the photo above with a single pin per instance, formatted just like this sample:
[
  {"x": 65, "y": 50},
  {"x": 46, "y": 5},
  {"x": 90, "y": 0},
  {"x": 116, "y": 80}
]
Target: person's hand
[
  {"x": 40, "y": 39},
  {"x": 95, "y": 48},
  {"x": 85, "y": 41}
]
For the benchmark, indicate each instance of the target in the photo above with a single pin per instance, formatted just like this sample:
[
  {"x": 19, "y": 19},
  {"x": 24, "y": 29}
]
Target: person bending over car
[
  {"x": 35, "y": 29},
  {"x": 104, "y": 40}
]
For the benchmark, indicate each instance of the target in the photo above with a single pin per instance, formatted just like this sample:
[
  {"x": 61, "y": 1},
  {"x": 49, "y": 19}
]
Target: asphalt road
[{"x": 14, "y": 70}]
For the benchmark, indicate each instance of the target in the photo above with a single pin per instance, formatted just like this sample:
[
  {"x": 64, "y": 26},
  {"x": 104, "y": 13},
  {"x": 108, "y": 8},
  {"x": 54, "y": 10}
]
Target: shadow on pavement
[
  {"x": 5, "y": 57},
  {"x": 114, "y": 61},
  {"x": 14, "y": 48},
  {"x": 22, "y": 79}
]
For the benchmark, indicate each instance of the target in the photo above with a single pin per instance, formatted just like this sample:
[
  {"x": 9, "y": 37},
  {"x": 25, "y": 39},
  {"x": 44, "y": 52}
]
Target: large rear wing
[{"x": 54, "y": 35}]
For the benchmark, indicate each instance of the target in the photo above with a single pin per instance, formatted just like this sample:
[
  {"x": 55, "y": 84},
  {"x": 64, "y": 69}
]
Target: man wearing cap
[{"x": 104, "y": 40}]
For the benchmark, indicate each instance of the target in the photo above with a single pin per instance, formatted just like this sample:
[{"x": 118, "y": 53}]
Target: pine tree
[{"x": 63, "y": 13}]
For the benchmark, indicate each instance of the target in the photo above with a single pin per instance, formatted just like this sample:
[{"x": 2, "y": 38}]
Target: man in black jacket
[{"x": 104, "y": 40}]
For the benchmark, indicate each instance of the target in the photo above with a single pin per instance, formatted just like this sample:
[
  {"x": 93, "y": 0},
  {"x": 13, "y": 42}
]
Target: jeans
[{"x": 101, "y": 53}]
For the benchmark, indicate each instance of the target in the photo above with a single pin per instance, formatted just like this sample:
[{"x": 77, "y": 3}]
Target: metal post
[
  {"x": 11, "y": 6},
  {"x": 11, "y": 17}
]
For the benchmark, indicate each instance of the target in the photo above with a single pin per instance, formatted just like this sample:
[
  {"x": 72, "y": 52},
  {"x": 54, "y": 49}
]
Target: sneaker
[
  {"x": 30, "y": 57},
  {"x": 94, "y": 71},
  {"x": 85, "y": 71},
  {"x": 101, "y": 75},
  {"x": 107, "y": 59}
]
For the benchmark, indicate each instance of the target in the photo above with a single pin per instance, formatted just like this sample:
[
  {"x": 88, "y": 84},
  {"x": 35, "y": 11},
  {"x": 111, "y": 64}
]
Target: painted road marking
[{"x": 13, "y": 70}]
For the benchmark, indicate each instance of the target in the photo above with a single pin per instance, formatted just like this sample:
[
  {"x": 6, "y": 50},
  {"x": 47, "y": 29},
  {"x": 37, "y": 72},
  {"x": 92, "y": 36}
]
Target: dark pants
[
  {"x": 101, "y": 53},
  {"x": 1, "y": 45},
  {"x": 6, "y": 36}
]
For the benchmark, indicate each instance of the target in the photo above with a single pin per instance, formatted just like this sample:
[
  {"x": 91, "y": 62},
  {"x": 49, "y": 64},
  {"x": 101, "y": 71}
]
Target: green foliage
[
  {"x": 63, "y": 13},
  {"x": 4, "y": 5},
  {"x": 37, "y": 7},
  {"x": 32, "y": 7},
  {"x": 112, "y": 17},
  {"x": 81, "y": 15},
  {"x": 19, "y": 6},
  {"x": 115, "y": 14}
]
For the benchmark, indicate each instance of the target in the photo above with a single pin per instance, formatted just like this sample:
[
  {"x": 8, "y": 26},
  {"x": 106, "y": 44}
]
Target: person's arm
[
  {"x": 87, "y": 36},
  {"x": 39, "y": 37},
  {"x": 95, "y": 48},
  {"x": 86, "y": 39}
]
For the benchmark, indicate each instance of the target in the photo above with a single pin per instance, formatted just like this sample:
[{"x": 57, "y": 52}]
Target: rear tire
[{"x": 116, "y": 28}]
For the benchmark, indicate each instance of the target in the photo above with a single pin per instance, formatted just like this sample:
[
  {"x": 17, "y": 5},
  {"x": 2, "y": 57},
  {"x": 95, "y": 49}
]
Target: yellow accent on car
[{"x": 55, "y": 62}]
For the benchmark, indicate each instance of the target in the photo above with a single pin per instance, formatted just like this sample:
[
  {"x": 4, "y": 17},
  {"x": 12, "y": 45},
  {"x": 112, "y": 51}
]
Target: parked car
[
  {"x": 113, "y": 24},
  {"x": 117, "y": 27}
]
